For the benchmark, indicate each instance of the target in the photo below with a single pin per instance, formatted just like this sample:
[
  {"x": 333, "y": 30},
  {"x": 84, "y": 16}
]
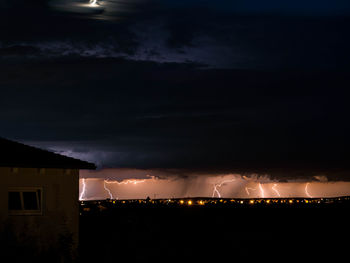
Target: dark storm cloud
[
  {"x": 146, "y": 115},
  {"x": 299, "y": 7},
  {"x": 104, "y": 91},
  {"x": 267, "y": 43},
  {"x": 200, "y": 34}
]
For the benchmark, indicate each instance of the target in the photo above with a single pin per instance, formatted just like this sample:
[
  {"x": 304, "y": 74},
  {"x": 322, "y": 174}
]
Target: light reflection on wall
[{"x": 226, "y": 186}]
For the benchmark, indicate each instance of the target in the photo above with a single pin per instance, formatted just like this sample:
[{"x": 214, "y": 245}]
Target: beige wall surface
[{"x": 60, "y": 207}]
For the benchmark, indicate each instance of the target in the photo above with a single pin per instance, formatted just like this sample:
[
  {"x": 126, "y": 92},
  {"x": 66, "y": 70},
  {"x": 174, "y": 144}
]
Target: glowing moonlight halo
[
  {"x": 90, "y": 7},
  {"x": 94, "y": 3}
]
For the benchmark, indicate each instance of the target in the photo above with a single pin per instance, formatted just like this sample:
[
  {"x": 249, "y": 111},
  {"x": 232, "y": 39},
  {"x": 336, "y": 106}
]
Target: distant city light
[{"x": 105, "y": 205}]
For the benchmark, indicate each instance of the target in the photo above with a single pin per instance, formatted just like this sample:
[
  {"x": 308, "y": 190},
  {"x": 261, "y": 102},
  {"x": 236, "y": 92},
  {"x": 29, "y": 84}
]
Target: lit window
[{"x": 25, "y": 201}]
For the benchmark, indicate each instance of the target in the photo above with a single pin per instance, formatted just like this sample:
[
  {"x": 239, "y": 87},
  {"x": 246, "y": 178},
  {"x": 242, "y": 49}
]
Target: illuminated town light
[{"x": 102, "y": 205}]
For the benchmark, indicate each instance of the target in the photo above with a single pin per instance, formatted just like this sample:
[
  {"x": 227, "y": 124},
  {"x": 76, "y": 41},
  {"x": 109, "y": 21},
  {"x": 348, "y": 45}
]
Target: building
[{"x": 39, "y": 194}]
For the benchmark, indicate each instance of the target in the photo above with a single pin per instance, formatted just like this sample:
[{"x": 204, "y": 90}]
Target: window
[
  {"x": 25, "y": 201},
  {"x": 41, "y": 170}
]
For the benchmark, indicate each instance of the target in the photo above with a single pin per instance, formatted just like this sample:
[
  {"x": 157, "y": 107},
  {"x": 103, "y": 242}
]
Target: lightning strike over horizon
[
  {"x": 82, "y": 194},
  {"x": 307, "y": 190},
  {"x": 215, "y": 190},
  {"x": 275, "y": 190},
  {"x": 249, "y": 188},
  {"x": 107, "y": 189},
  {"x": 214, "y": 187},
  {"x": 130, "y": 181},
  {"x": 125, "y": 182},
  {"x": 261, "y": 191}
]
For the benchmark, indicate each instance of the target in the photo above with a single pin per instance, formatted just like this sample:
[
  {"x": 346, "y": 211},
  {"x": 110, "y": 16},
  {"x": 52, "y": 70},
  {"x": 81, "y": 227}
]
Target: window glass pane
[
  {"x": 15, "y": 201},
  {"x": 30, "y": 201},
  {"x": 39, "y": 197}
]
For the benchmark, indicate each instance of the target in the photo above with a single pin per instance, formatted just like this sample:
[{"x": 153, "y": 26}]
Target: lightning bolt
[
  {"x": 215, "y": 190},
  {"x": 107, "y": 189},
  {"x": 248, "y": 188},
  {"x": 275, "y": 190},
  {"x": 216, "y": 186},
  {"x": 307, "y": 191},
  {"x": 82, "y": 194},
  {"x": 131, "y": 181},
  {"x": 261, "y": 191}
]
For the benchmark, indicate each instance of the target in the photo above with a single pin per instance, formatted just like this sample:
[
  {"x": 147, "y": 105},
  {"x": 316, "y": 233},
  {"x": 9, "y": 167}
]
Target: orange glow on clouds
[{"x": 225, "y": 186}]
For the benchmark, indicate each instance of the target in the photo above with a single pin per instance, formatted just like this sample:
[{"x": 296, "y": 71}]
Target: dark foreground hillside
[{"x": 215, "y": 234}]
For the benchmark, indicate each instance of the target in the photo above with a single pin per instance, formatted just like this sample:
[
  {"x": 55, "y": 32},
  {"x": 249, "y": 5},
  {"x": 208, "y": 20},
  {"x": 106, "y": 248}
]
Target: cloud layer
[
  {"x": 139, "y": 184},
  {"x": 185, "y": 85}
]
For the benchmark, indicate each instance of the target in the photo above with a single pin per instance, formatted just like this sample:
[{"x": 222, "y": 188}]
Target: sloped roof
[{"x": 14, "y": 154}]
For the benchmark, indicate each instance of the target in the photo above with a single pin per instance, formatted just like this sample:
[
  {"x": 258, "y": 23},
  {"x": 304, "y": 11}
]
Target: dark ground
[{"x": 216, "y": 234}]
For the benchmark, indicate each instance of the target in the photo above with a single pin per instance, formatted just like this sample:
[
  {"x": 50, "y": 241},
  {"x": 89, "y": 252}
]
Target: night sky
[{"x": 239, "y": 86}]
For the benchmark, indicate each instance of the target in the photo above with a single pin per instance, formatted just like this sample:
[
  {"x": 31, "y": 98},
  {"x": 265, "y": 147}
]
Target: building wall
[{"x": 60, "y": 207}]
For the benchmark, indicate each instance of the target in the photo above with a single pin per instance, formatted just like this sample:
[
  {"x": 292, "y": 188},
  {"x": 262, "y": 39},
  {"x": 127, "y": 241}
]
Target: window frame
[{"x": 21, "y": 190}]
